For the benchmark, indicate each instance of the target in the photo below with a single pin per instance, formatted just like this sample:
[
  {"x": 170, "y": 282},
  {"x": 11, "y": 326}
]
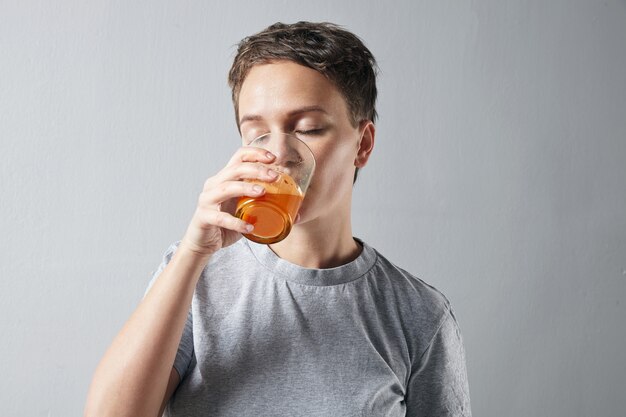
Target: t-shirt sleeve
[
  {"x": 185, "y": 347},
  {"x": 438, "y": 384}
]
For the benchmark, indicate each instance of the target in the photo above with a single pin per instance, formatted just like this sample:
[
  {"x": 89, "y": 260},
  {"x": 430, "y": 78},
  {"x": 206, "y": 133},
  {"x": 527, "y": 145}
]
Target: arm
[
  {"x": 172, "y": 384},
  {"x": 438, "y": 385},
  {"x": 134, "y": 378}
]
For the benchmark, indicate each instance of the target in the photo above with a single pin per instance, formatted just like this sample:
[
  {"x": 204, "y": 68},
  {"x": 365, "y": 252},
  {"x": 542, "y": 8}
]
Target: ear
[{"x": 366, "y": 143}]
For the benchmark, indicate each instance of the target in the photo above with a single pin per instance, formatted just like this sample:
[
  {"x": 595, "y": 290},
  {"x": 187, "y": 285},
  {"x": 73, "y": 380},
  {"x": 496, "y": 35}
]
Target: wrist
[{"x": 191, "y": 251}]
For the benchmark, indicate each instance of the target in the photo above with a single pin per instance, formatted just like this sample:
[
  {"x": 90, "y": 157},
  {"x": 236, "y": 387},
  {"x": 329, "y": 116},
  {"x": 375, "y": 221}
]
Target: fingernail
[
  {"x": 258, "y": 189},
  {"x": 269, "y": 155},
  {"x": 272, "y": 173},
  {"x": 249, "y": 228}
]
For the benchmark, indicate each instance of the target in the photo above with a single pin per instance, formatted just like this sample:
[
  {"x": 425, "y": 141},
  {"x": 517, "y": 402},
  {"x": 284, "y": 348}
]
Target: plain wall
[{"x": 498, "y": 176}]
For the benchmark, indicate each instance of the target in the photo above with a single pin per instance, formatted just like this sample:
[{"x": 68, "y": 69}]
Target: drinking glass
[{"x": 273, "y": 213}]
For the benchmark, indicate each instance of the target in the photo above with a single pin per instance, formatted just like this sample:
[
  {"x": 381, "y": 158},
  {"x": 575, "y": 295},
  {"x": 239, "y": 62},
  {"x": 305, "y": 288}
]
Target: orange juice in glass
[{"x": 273, "y": 213}]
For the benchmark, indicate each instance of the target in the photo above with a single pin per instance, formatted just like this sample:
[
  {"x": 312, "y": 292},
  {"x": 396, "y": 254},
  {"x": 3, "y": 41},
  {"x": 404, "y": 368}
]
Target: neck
[{"x": 321, "y": 243}]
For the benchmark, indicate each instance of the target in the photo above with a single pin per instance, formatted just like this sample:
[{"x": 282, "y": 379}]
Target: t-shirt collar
[{"x": 311, "y": 276}]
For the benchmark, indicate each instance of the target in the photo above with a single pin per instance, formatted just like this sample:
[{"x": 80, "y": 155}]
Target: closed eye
[{"x": 310, "y": 132}]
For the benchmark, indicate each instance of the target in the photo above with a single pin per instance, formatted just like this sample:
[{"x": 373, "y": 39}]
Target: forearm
[{"x": 131, "y": 379}]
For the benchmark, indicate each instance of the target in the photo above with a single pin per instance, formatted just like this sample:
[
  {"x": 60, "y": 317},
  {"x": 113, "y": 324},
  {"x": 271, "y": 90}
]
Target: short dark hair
[{"x": 334, "y": 52}]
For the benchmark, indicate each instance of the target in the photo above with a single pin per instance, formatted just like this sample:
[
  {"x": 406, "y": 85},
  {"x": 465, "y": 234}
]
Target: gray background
[{"x": 499, "y": 176}]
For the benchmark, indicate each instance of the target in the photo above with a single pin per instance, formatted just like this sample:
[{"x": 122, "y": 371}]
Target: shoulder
[
  {"x": 417, "y": 305},
  {"x": 409, "y": 288},
  {"x": 419, "y": 309}
]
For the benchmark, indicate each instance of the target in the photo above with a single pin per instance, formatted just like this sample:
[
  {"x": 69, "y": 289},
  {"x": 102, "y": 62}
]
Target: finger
[
  {"x": 247, "y": 171},
  {"x": 230, "y": 189},
  {"x": 242, "y": 171},
  {"x": 225, "y": 221},
  {"x": 251, "y": 154}
]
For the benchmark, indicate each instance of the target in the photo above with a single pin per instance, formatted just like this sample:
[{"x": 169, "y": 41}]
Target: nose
[{"x": 287, "y": 153}]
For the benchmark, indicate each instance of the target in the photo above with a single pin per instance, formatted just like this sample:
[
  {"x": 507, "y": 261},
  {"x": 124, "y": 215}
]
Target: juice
[{"x": 273, "y": 213}]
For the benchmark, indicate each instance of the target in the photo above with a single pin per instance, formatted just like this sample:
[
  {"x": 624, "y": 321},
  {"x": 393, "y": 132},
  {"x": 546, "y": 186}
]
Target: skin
[
  {"x": 287, "y": 97},
  {"x": 135, "y": 375}
]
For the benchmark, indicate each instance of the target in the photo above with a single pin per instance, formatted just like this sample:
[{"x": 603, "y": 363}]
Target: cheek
[{"x": 333, "y": 166}]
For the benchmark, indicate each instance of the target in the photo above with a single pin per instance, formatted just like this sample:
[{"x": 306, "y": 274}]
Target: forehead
[{"x": 283, "y": 86}]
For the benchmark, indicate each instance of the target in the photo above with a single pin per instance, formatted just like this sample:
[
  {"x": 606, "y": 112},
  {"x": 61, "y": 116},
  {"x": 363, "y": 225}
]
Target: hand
[{"x": 214, "y": 225}]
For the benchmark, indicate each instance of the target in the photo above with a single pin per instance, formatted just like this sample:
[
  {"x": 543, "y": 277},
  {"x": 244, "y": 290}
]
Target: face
[{"x": 288, "y": 97}]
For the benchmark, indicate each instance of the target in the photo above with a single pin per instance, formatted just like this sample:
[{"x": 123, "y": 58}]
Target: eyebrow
[{"x": 306, "y": 109}]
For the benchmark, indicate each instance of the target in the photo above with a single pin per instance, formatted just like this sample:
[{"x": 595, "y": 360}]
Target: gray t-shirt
[{"x": 265, "y": 337}]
